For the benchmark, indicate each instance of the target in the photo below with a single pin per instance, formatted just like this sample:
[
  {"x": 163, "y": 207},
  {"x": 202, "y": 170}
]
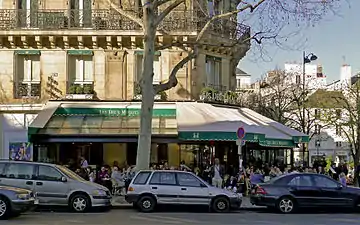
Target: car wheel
[
  {"x": 221, "y": 205},
  {"x": 80, "y": 203},
  {"x": 4, "y": 208},
  {"x": 146, "y": 204},
  {"x": 286, "y": 205}
]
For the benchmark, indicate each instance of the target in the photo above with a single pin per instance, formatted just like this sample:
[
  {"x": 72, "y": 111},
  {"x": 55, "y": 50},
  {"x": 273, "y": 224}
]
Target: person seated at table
[{"x": 104, "y": 178}]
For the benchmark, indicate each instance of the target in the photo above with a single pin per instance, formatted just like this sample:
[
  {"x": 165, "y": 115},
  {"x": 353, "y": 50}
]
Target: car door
[
  {"x": 331, "y": 193},
  {"x": 192, "y": 190},
  {"x": 49, "y": 187},
  {"x": 164, "y": 186},
  {"x": 302, "y": 188},
  {"x": 19, "y": 175}
]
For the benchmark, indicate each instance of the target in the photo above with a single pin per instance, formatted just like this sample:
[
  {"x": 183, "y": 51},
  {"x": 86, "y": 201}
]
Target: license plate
[{"x": 36, "y": 202}]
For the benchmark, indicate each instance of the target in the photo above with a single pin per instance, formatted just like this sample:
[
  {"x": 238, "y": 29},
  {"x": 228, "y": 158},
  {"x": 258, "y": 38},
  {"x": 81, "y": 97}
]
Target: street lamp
[
  {"x": 306, "y": 59},
  {"x": 317, "y": 144}
]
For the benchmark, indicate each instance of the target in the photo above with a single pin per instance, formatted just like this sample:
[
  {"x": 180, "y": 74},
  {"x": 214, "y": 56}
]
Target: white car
[{"x": 172, "y": 187}]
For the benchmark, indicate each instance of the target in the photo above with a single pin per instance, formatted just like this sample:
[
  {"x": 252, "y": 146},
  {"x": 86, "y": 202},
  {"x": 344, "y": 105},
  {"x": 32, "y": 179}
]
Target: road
[{"x": 129, "y": 216}]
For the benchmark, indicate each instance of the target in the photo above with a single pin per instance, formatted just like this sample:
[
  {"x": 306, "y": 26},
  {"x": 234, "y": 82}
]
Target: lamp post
[
  {"x": 317, "y": 143},
  {"x": 307, "y": 58}
]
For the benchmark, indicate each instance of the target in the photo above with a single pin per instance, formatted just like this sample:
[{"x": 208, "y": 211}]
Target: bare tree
[
  {"x": 271, "y": 17},
  {"x": 344, "y": 115}
]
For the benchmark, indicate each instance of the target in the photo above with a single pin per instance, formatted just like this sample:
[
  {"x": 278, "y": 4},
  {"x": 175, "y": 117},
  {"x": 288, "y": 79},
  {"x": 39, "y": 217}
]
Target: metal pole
[{"x": 303, "y": 98}]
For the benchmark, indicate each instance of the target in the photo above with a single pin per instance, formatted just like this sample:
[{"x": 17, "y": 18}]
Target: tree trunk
[{"x": 147, "y": 92}]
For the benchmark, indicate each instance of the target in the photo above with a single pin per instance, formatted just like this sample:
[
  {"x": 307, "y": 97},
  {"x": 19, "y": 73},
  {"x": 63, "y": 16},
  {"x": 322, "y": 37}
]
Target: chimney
[{"x": 345, "y": 72}]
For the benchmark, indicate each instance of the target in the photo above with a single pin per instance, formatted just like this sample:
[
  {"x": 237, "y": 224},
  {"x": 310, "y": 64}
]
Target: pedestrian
[
  {"x": 343, "y": 179},
  {"x": 217, "y": 174}
]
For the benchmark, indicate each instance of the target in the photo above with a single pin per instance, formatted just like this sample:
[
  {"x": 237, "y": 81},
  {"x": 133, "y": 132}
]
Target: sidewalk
[{"x": 119, "y": 202}]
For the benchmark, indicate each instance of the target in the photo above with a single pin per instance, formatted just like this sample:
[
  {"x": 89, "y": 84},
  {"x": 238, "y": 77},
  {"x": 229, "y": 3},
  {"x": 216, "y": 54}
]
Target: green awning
[
  {"x": 27, "y": 52},
  {"x": 119, "y": 119},
  {"x": 231, "y": 136},
  {"x": 80, "y": 52}
]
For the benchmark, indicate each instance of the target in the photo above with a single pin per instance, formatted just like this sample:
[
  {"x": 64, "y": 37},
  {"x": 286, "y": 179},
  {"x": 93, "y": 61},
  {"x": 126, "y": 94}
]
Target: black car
[
  {"x": 289, "y": 192},
  {"x": 14, "y": 201}
]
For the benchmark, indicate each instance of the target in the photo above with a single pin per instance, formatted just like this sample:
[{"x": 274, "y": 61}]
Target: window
[
  {"x": 302, "y": 181},
  {"x": 80, "y": 69},
  {"x": 317, "y": 114},
  {"x": 163, "y": 178},
  {"x": 189, "y": 180},
  {"x": 338, "y": 144},
  {"x": 2, "y": 167},
  {"x": 321, "y": 181},
  {"x": 338, "y": 130},
  {"x": 157, "y": 69},
  {"x": 142, "y": 178},
  {"x": 317, "y": 129},
  {"x": 20, "y": 171},
  {"x": 297, "y": 79},
  {"x": 49, "y": 174},
  {"x": 238, "y": 83},
  {"x": 213, "y": 72},
  {"x": 27, "y": 76}
]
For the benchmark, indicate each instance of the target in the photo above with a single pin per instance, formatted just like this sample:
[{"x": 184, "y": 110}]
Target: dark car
[
  {"x": 289, "y": 192},
  {"x": 14, "y": 201}
]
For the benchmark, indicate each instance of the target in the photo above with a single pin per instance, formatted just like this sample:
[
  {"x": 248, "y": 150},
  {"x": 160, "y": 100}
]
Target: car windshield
[{"x": 69, "y": 173}]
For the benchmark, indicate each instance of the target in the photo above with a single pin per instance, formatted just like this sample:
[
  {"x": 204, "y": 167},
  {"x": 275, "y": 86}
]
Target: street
[{"x": 129, "y": 216}]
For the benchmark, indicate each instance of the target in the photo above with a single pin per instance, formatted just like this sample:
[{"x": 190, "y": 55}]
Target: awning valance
[{"x": 205, "y": 122}]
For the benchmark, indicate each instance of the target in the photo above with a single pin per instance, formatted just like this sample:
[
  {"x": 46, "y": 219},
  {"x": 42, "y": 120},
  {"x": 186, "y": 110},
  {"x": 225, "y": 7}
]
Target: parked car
[
  {"x": 54, "y": 185},
  {"x": 289, "y": 192},
  {"x": 14, "y": 201},
  {"x": 167, "y": 187}
]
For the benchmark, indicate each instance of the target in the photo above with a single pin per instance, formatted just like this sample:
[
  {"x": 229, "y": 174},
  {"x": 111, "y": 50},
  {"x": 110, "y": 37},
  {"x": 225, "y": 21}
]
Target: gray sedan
[{"x": 14, "y": 201}]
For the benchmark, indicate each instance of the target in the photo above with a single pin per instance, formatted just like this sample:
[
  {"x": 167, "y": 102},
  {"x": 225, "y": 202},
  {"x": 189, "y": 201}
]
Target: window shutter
[
  {"x": 88, "y": 68},
  {"x": 72, "y": 68},
  {"x": 20, "y": 68},
  {"x": 35, "y": 68},
  {"x": 157, "y": 70},
  {"x": 27, "y": 69}
]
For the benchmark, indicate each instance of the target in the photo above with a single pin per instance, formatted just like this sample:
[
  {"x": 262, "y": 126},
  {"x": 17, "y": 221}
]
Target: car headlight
[
  {"x": 23, "y": 196},
  {"x": 99, "y": 192}
]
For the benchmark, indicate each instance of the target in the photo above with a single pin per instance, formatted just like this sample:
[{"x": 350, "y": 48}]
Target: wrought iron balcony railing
[
  {"x": 109, "y": 19},
  {"x": 27, "y": 89}
]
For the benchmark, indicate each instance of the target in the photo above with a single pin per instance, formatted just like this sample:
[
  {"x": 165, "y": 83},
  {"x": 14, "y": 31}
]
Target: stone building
[{"x": 78, "y": 50}]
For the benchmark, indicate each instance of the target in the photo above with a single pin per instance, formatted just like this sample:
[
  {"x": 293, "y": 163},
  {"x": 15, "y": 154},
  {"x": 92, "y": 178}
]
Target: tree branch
[
  {"x": 164, "y": 13},
  {"x": 122, "y": 12},
  {"x": 208, "y": 23},
  {"x": 172, "y": 82}
]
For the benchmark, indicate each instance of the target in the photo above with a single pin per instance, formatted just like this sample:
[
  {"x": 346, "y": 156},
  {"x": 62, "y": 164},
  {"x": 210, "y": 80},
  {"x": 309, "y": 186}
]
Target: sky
[{"x": 335, "y": 41}]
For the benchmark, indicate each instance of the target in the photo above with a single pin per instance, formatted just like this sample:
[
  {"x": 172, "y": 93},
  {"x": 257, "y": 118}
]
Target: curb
[{"x": 122, "y": 206}]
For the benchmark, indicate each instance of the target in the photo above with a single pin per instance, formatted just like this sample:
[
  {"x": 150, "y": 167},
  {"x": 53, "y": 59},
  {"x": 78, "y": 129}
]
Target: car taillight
[{"x": 260, "y": 191}]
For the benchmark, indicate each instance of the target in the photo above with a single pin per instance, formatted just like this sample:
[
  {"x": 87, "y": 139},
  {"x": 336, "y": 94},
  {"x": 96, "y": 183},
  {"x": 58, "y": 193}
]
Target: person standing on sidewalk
[{"x": 217, "y": 174}]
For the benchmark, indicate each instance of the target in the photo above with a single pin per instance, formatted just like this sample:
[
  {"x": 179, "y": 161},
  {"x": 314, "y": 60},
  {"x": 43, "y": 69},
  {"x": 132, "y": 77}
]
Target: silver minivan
[{"x": 54, "y": 185}]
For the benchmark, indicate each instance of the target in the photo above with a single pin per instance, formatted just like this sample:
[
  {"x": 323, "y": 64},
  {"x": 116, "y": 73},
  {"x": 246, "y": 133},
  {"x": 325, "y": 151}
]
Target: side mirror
[
  {"x": 63, "y": 179},
  {"x": 339, "y": 187}
]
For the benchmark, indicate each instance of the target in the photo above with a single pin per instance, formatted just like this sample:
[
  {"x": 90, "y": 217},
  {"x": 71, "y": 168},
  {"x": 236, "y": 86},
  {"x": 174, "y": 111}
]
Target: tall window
[
  {"x": 157, "y": 69},
  {"x": 27, "y": 13},
  {"x": 81, "y": 69},
  {"x": 27, "y": 76},
  {"x": 80, "y": 73},
  {"x": 213, "y": 72},
  {"x": 80, "y": 13}
]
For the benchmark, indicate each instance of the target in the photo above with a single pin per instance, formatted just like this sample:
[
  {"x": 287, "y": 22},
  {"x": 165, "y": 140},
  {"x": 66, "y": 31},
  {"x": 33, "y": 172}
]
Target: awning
[
  {"x": 205, "y": 122},
  {"x": 95, "y": 119}
]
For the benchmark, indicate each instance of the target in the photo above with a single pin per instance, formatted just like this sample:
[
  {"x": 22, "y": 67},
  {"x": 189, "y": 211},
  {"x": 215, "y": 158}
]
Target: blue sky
[{"x": 335, "y": 40}]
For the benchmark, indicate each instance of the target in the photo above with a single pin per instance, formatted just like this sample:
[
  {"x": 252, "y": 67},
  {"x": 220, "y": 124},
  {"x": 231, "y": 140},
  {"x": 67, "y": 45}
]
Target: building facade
[{"x": 76, "y": 50}]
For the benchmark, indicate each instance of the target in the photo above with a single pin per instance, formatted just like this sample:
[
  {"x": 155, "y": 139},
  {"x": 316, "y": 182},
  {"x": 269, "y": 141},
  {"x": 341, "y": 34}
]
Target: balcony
[
  {"x": 80, "y": 91},
  {"x": 109, "y": 19},
  {"x": 27, "y": 90},
  {"x": 138, "y": 96}
]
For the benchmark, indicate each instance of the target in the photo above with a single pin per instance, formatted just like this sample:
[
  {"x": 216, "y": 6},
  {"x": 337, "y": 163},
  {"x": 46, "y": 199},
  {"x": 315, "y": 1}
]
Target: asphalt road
[{"x": 129, "y": 216}]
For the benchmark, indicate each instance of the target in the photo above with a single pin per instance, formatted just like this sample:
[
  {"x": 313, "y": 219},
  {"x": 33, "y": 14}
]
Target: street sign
[{"x": 240, "y": 133}]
